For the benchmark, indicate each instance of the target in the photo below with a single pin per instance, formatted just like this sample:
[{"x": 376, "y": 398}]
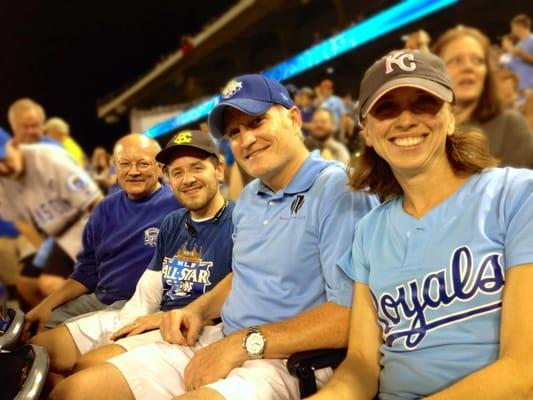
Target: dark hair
[
  {"x": 489, "y": 104},
  {"x": 522, "y": 19},
  {"x": 467, "y": 151}
]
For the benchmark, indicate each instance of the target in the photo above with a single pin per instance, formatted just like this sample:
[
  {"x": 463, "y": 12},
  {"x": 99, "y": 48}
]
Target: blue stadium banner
[{"x": 365, "y": 31}]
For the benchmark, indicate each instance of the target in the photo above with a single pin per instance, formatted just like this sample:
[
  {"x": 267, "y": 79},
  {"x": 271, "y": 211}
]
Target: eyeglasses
[
  {"x": 141, "y": 165},
  {"x": 388, "y": 108},
  {"x": 461, "y": 60}
]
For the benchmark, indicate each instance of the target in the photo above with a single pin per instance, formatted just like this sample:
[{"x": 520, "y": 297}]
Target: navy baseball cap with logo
[
  {"x": 402, "y": 68},
  {"x": 4, "y": 138},
  {"x": 192, "y": 138},
  {"x": 251, "y": 94}
]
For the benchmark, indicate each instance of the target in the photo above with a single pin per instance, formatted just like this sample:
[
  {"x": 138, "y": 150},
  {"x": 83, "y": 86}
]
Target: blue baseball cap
[
  {"x": 251, "y": 94},
  {"x": 4, "y": 138}
]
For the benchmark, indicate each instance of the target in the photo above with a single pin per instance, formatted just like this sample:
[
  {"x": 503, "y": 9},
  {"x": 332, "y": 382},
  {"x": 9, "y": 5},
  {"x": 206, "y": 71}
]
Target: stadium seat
[{"x": 23, "y": 368}]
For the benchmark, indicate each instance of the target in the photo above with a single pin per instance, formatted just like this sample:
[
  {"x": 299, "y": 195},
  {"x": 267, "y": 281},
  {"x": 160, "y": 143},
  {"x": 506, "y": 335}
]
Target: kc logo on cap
[
  {"x": 400, "y": 59},
  {"x": 404, "y": 68},
  {"x": 183, "y": 137},
  {"x": 231, "y": 88}
]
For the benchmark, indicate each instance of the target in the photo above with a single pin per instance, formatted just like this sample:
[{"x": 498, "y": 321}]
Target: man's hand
[
  {"x": 140, "y": 325},
  {"x": 181, "y": 327},
  {"x": 38, "y": 315},
  {"x": 214, "y": 362}
]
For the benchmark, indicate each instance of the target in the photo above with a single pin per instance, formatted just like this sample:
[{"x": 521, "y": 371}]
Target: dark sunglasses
[{"x": 388, "y": 108}]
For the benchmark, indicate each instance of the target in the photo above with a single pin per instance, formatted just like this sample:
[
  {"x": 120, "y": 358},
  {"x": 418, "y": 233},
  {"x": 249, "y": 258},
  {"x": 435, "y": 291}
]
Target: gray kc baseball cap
[
  {"x": 193, "y": 138},
  {"x": 402, "y": 68}
]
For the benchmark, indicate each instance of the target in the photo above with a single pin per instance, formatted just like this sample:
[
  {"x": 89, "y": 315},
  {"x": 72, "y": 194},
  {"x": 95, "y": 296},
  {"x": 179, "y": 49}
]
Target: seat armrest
[
  {"x": 303, "y": 365},
  {"x": 11, "y": 336},
  {"x": 35, "y": 378}
]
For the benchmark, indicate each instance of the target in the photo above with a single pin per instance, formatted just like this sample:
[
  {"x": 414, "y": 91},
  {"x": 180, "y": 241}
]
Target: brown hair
[
  {"x": 467, "y": 151},
  {"x": 522, "y": 19},
  {"x": 489, "y": 104}
]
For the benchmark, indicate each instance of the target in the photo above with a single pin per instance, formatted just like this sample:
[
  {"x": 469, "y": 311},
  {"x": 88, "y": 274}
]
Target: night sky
[{"x": 67, "y": 54}]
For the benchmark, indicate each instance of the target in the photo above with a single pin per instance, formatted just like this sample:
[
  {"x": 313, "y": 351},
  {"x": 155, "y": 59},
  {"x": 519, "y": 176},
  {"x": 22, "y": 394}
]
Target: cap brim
[
  {"x": 435, "y": 88},
  {"x": 215, "y": 120},
  {"x": 165, "y": 155}
]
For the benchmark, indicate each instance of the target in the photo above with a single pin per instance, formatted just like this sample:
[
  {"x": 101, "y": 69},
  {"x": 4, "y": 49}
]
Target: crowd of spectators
[{"x": 492, "y": 86}]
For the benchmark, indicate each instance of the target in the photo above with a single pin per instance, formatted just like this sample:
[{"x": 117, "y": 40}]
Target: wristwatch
[{"x": 254, "y": 343}]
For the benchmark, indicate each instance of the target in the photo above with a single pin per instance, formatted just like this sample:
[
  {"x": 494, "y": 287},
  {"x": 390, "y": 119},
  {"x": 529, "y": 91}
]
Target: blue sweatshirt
[{"x": 118, "y": 243}]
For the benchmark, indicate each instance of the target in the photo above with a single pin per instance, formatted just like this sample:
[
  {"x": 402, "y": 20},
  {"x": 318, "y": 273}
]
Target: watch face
[{"x": 255, "y": 343}]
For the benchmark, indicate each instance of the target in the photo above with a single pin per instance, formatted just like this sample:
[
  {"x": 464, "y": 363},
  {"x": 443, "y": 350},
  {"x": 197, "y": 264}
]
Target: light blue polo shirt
[
  {"x": 287, "y": 244},
  {"x": 438, "y": 280}
]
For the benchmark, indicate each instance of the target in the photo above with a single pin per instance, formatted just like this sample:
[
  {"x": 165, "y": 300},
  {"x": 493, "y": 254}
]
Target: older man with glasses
[{"x": 118, "y": 240}]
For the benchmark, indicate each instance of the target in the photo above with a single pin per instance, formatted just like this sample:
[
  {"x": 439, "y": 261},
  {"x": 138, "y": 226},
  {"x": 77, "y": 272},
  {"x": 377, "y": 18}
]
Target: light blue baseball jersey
[
  {"x": 287, "y": 244},
  {"x": 437, "y": 281},
  {"x": 51, "y": 194}
]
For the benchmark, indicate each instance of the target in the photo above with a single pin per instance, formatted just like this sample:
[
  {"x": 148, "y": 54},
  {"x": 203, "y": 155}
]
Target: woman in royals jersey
[{"x": 443, "y": 269}]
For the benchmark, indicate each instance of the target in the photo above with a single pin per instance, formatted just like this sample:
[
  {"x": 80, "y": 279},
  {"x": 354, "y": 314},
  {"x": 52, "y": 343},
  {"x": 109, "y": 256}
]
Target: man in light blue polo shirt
[{"x": 286, "y": 293}]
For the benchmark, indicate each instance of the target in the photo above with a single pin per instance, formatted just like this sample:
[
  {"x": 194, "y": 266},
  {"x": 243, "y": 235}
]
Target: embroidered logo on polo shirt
[
  {"x": 150, "y": 236},
  {"x": 296, "y": 206}
]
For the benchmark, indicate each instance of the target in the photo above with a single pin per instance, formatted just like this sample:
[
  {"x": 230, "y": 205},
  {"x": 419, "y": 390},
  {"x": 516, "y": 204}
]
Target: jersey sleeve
[
  {"x": 339, "y": 215},
  {"x": 147, "y": 296},
  {"x": 519, "y": 220},
  {"x": 354, "y": 262},
  {"x": 75, "y": 185},
  {"x": 8, "y": 210}
]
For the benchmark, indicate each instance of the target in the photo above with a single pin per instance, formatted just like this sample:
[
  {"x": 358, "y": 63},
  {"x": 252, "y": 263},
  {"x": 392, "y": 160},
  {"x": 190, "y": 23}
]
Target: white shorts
[
  {"x": 93, "y": 330},
  {"x": 161, "y": 377}
]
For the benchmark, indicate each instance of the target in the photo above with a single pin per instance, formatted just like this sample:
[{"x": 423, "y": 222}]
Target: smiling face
[
  {"x": 407, "y": 127},
  {"x": 267, "y": 146},
  {"x": 195, "y": 179},
  {"x": 466, "y": 63},
  {"x": 137, "y": 171}
]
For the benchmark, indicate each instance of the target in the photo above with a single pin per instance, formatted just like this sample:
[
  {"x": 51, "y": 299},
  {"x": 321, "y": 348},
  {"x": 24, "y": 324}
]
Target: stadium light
[{"x": 349, "y": 39}]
